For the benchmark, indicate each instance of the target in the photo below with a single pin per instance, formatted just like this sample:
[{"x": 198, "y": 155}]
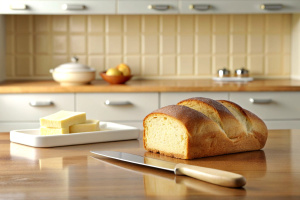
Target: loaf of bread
[{"x": 202, "y": 127}]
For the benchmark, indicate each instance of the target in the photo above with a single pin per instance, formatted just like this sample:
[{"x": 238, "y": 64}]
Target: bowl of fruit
[{"x": 117, "y": 75}]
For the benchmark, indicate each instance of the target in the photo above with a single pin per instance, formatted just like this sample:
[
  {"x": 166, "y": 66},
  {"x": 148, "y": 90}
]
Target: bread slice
[{"x": 201, "y": 127}]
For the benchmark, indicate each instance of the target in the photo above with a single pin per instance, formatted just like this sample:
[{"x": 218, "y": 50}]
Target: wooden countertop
[
  {"x": 72, "y": 172},
  {"x": 205, "y": 85}
]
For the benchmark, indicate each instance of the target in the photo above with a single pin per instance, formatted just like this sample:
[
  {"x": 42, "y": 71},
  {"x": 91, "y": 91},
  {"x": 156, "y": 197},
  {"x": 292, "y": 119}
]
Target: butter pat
[
  {"x": 63, "y": 119},
  {"x": 53, "y": 131},
  {"x": 88, "y": 126}
]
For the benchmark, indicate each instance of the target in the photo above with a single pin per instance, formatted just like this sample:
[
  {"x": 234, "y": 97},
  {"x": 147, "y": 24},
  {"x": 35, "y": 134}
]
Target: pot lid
[{"x": 73, "y": 66}]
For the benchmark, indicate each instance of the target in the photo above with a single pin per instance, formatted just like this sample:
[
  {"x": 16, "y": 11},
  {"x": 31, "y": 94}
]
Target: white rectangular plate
[
  {"x": 233, "y": 79},
  {"x": 108, "y": 132}
]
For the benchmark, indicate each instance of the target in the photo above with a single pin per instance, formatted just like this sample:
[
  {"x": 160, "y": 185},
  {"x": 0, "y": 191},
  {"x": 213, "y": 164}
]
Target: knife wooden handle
[{"x": 215, "y": 176}]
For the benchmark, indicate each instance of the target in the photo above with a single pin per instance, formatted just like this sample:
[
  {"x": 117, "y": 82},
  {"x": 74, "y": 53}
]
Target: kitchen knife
[{"x": 214, "y": 176}]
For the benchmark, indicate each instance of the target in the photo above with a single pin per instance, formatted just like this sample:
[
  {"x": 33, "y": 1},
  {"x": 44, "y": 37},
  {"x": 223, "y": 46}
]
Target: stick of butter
[
  {"x": 88, "y": 126},
  {"x": 53, "y": 131},
  {"x": 63, "y": 119}
]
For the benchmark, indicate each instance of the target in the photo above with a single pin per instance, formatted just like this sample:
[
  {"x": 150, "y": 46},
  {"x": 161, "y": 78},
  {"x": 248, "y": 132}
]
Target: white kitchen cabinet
[
  {"x": 125, "y": 108},
  {"x": 279, "y": 110},
  {"x": 148, "y": 7},
  {"x": 60, "y": 7},
  {"x": 19, "y": 111},
  {"x": 238, "y": 6},
  {"x": 171, "y": 98}
]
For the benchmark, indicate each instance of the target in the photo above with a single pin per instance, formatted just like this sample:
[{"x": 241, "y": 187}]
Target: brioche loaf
[{"x": 201, "y": 127}]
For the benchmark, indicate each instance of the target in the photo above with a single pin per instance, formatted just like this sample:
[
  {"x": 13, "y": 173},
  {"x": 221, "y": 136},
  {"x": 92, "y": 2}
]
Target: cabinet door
[
  {"x": 117, "y": 106},
  {"x": 58, "y": 7},
  {"x": 147, "y": 7},
  {"x": 171, "y": 98},
  {"x": 269, "y": 105},
  {"x": 31, "y": 107},
  {"x": 236, "y": 7}
]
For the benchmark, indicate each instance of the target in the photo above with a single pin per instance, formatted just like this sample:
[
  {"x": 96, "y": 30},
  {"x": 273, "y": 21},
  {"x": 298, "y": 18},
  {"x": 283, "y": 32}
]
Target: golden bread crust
[{"x": 229, "y": 129}]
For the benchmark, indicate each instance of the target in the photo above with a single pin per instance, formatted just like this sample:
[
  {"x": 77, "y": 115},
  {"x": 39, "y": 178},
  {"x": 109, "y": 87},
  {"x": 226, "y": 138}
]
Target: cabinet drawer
[
  {"x": 117, "y": 106},
  {"x": 31, "y": 107},
  {"x": 147, "y": 7},
  {"x": 171, "y": 98},
  {"x": 58, "y": 7},
  {"x": 270, "y": 105}
]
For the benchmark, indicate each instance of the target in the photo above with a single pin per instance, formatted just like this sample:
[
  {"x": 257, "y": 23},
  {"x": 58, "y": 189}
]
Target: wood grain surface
[
  {"x": 203, "y": 85},
  {"x": 72, "y": 172}
]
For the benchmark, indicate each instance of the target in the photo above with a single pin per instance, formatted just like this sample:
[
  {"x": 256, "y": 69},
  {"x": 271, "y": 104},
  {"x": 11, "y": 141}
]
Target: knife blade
[{"x": 214, "y": 176}]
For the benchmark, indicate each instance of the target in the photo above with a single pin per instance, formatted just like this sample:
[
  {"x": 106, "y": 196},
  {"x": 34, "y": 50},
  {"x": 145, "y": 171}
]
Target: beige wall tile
[
  {"x": 274, "y": 23},
  {"x": 150, "y": 24},
  {"x": 41, "y": 44},
  {"x": 23, "y": 65},
  {"x": 256, "y": 23},
  {"x": 238, "y": 23},
  {"x": 132, "y": 44},
  {"x": 220, "y": 24},
  {"x": 185, "y": 65},
  {"x": 96, "y": 23},
  {"x": 273, "y": 65},
  {"x": 186, "y": 44},
  {"x": 203, "y": 24},
  {"x": 237, "y": 62},
  {"x": 238, "y": 43},
  {"x": 59, "y": 59},
  {"x": 95, "y": 44},
  {"x": 41, "y": 23},
  {"x": 23, "y": 23},
  {"x": 10, "y": 43},
  {"x": 168, "y": 44},
  {"x": 286, "y": 65},
  {"x": 9, "y": 68},
  {"x": 24, "y": 44},
  {"x": 168, "y": 24},
  {"x": 60, "y": 44},
  {"x": 134, "y": 63},
  {"x": 255, "y": 43},
  {"x": 273, "y": 43},
  {"x": 98, "y": 63},
  {"x": 204, "y": 44},
  {"x": 256, "y": 65},
  {"x": 220, "y": 44},
  {"x": 77, "y": 24},
  {"x": 186, "y": 24},
  {"x": 150, "y": 44},
  {"x": 150, "y": 66},
  {"x": 60, "y": 23},
  {"x": 42, "y": 65},
  {"x": 9, "y": 23},
  {"x": 203, "y": 65},
  {"x": 114, "y": 24},
  {"x": 132, "y": 24},
  {"x": 77, "y": 44},
  {"x": 219, "y": 62},
  {"x": 168, "y": 65},
  {"x": 112, "y": 61},
  {"x": 114, "y": 44}
]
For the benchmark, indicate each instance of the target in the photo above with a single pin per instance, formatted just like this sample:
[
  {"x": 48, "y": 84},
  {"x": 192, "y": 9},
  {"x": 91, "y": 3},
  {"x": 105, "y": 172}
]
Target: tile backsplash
[{"x": 154, "y": 46}]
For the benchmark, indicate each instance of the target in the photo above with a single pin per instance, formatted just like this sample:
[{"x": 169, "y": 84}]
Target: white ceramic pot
[{"x": 70, "y": 74}]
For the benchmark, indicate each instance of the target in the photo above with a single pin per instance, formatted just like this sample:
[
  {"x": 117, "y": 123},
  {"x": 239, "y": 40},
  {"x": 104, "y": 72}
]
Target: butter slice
[
  {"x": 63, "y": 119},
  {"x": 53, "y": 131},
  {"x": 88, "y": 126}
]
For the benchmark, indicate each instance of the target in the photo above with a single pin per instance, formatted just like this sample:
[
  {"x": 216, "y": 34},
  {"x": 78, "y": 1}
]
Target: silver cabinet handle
[
  {"x": 117, "y": 103},
  {"x": 271, "y": 6},
  {"x": 260, "y": 101},
  {"x": 41, "y": 103},
  {"x": 159, "y": 7},
  {"x": 18, "y": 6},
  {"x": 73, "y": 7},
  {"x": 199, "y": 7}
]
